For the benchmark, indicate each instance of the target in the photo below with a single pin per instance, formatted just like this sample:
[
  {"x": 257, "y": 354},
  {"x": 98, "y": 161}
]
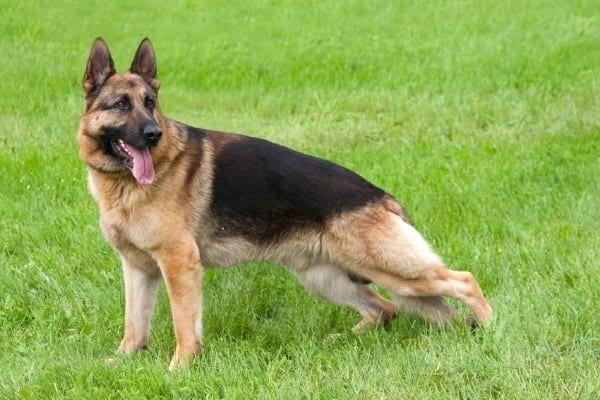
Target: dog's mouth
[{"x": 137, "y": 160}]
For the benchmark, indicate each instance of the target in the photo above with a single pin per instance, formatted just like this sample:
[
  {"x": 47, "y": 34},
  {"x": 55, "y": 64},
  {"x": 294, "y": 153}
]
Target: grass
[{"x": 480, "y": 116}]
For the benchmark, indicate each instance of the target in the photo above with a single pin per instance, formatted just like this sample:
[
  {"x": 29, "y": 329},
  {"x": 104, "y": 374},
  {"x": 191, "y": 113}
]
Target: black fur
[{"x": 262, "y": 190}]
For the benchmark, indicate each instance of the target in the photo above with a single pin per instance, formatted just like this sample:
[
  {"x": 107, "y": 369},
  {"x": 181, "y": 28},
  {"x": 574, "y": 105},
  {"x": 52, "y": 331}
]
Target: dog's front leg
[
  {"x": 182, "y": 271},
  {"x": 142, "y": 280}
]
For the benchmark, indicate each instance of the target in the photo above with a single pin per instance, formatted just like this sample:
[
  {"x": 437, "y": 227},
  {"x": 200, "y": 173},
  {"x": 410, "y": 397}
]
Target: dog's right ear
[{"x": 100, "y": 67}]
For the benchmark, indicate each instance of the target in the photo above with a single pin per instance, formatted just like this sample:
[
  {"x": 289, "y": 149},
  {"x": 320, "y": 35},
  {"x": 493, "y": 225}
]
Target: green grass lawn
[{"x": 481, "y": 117}]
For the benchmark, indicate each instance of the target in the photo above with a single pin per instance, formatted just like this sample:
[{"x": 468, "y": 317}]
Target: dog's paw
[
  {"x": 181, "y": 362},
  {"x": 131, "y": 346}
]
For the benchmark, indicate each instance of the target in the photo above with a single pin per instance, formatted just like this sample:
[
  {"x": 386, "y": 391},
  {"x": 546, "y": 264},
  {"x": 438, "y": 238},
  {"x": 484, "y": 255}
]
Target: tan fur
[{"x": 165, "y": 231}]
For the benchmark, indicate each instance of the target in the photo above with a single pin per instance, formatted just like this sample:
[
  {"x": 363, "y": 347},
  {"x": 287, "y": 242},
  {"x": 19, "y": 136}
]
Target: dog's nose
[{"x": 152, "y": 133}]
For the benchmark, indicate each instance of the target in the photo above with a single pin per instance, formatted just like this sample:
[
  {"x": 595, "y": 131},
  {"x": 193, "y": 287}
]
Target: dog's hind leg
[
  {"x": 437, "y": 281},
  {"x": 433, "y": 308},
  {"x": 336, "y": 285},
  {"x": 377, "y": 243}
]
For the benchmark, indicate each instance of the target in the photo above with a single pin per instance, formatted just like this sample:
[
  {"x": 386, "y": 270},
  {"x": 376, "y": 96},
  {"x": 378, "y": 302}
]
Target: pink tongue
[{"x": 143, "y": 168}]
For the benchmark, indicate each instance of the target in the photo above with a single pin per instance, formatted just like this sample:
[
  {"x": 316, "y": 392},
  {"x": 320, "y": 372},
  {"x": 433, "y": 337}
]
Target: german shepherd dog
[{"x": 174, "y": 199}]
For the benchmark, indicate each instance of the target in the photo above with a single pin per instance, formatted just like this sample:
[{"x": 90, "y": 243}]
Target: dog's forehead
[{"x": 131, "y": 83}]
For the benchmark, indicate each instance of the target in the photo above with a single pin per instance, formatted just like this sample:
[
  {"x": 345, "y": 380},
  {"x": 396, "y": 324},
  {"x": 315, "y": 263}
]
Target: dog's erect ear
[
  {"x": 144, "y": 63},
  {"x": 100, "y": 67}
]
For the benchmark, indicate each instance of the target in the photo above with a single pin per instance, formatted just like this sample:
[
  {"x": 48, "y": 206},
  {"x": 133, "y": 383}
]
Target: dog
[{"x": 174, "y": 200}]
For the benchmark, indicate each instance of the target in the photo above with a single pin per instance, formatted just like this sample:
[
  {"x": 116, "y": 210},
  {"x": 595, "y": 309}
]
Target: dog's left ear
[{"x": 144, "y": 63}]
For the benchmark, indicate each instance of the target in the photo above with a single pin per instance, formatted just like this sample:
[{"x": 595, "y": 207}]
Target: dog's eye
[
  {"x": 149, "y": 103},
  {"x": 121, "y": 104}
]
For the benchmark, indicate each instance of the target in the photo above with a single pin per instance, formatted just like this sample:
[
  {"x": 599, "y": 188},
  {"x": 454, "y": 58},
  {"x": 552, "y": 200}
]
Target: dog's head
[{"x": 121, "y": 123}]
